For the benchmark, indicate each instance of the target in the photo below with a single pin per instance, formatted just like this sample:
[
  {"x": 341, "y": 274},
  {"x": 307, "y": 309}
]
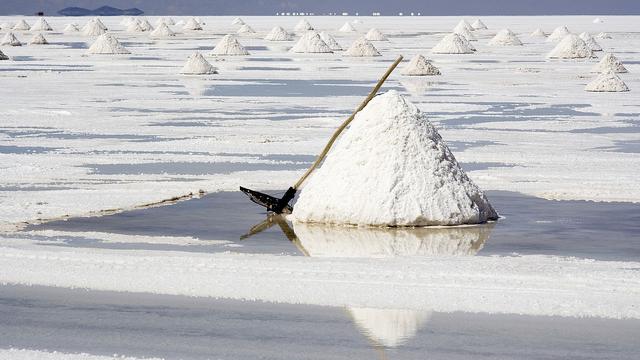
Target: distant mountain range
[{"x": 101, "y": 11}]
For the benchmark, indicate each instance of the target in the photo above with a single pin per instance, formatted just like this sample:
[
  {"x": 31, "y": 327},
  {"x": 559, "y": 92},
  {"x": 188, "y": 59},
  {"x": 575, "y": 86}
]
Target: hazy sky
[{"x": 268, "y": 7}]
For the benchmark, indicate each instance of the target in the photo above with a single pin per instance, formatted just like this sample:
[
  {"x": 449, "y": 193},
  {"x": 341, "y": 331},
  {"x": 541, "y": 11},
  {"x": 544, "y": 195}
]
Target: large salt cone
[
  {"x": 558, "y": 34},
  {"x": 391, "y": 168},
  {"x": 607, "y": 82},
  {"x": 609, "y": 62},
  {"x": 197, "y": 65},
  {"x": 107, "y": 44},
  {"x": 389, "y": 327},
  {"x": 571, "y": 47}
]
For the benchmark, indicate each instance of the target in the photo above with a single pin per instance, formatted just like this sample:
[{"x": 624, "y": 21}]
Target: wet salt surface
[
  {"x": 604, "y": 231},
  {"x": 106, "y": 323}
]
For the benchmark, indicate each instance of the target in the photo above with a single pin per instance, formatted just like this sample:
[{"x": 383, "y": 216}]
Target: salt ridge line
[{"x": 528, "y": 285}]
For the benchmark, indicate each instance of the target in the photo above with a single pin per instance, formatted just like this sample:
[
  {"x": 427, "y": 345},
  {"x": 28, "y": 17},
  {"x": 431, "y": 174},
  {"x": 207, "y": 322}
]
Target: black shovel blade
[{"x": 265, "y": 200}]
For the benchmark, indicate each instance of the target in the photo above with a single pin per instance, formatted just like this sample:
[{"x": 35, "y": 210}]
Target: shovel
[{"x": 281, "y": 205}]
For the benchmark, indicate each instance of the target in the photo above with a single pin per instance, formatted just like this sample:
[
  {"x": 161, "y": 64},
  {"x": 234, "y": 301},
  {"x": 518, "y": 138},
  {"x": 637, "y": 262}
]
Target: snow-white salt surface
[{"x": 25, "y": 354}]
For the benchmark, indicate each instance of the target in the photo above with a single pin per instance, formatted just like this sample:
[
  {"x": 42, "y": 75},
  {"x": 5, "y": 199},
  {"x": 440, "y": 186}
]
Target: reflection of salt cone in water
[{"x": 389, "y": 327}]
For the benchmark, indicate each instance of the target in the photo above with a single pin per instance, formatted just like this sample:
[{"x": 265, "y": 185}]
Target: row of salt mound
[{"x": 607, "y": 79}]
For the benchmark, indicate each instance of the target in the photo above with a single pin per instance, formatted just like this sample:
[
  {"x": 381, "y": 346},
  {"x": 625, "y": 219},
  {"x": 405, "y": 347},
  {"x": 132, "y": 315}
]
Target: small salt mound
[
  {"x": 245, "y": 29},
  {"x": 38, "y": 39},
  {"x": 505, "y": 37},
  {"x": 145, "y": 25},
  {"x": 453, "y": 44},
  {"x": 558, "y": 34},
  {"x": 420, "y": 66},
  {"x": 347, "y": 27},
  {"x": 162, "y": 31},
  {"x": 278, "y": 34},
  {"x": 237, "y": 21},
  {"x": 538, "y": 33},
  {"x": 478, "y": 25},
  {"x": 571, "y": 47},
  {"x": 608, "y": 63},
  {"x": 302, "y": 26},
  {"x": 107, "y": 44},
  {"x": 3, "y": 56},
  {"x": 597, "y": 21},
  {"x": 375, "y": 35},
  {"x": 391, "y": 168},
  {"x": 229, "y": 46},
  {"x": 311, "y": 42},
  {"x": 11, "y": 40},
  {"x": 100, "y": 23},
  {"x": 134, "y": 27},
  {"x": 603, "y": 35},
  {"x": 198, "y": 65},
  {"x": 21, "y": 25},
  {"x": 180, "y": 23},
  {"x": 607, "y": 82},
  {"x": 463, "y": 24},
  {"x": 41, "y": 25},
  {"x": 93, "y": 28},
  {"x": 71, "y": 28},
  {"x": 165, "y": 20},
  {"x": 466, "y": 33},
  {"x": 362, "y": 48},
  {"x": 6, "y": 26},
  {"x": 192, "y": 25},
  {"x": 331, "y": 41},
  {"x": 126, "y": 21},
  {"x": 591, "y": 42}
]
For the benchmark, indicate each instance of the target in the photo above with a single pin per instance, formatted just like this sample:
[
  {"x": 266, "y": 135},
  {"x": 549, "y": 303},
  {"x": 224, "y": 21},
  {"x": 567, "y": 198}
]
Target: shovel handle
[{"x": 346, "y": 123}]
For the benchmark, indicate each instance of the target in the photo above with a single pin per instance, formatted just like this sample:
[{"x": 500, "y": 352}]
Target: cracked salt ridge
[
  {"x": 106, "y": 323},
  {"x": 531, "y": 226}
]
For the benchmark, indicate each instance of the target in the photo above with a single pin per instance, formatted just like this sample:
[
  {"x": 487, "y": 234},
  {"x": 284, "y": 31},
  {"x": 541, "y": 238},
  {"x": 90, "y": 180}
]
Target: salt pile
[
  {"x": 302, "y": 26},
  {"x": 278, "y": 34},
  {"x": 3, "y": 56},
  {"x": 134, "y": 27},
  {"x": 145, "y": 25},
  {"x": 608, "y": 63},
  {"x": 607, "y": 82},
  {"x": 192, "y": 25},
  {"x": 6, "y": 26},
  {"x": 478, "y": 25},
  {"x": 330, "y": 41},
  {"x": 558, "y": 34},
  {"x": 162, "y": 31},
  {"x": 420, "y": 66},
  {"x": 198, "y": 65},
  {"x": 127, "y": 20},
  {"x": 391, "y": 168},
  {"x": 453, "y": 44},
  {"x": 41, "y": 25},
  {"x": 571, "y": 47},
  {"x": 505, "y": 37},
  {"x": 463, "y": 25},
  {"x": 229, "y": 46},
  {"x": 237, "y": 21},
  {"x": 100, "y": 23},
  {"x": 466, "y": 34},
  {"x": 590, "y": 41},
  {"x": 603, "y": 35},
  {"x": 11, "y": 40},
  {"x": 362, "y": 48},
  {"x": 164, "y": 20},
  {"x": 538, "y": 33},
  {"x": 375, "y": 35},
  {"x": 597, "y": 21},
  {"x": 180, "y": 23},
  {"x": 311, "y": 42},
  {"x": 347, "y": 27},
  {"x": 38, "y": 39},
  {"x": 71, "y": 28},
  {"x": 107, "y": 44},
  {"x": 21, "y": 26},
  {"x": 245, "y": 29},
  {"x": 93, "y": 28}
]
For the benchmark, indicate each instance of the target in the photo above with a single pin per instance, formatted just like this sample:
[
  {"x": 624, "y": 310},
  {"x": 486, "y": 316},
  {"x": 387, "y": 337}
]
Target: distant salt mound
[
  {"x": 603, "y": 35},
  {"x": 453, "y": 44},
  {"x": 558, "y": 34},
  {"x": 607, "y": 82},
  {"x": 463, "y": 24},
  {"x": 478, "y": 25},
  {"x": 237, "y": 21},
  {"x": 100, "y": 23},
  {"x": 41, "y": 25},
  {"x": 127, "y": 20},
  {"x": 3, "y": 56},
  {"x": 21, "y": 25},
  {"x": 303, "y": 26},
  {"x": 165, "y": 20},
  {"x": 347, "y": 27},
  {"x": 11, "y": 40},
  {"x": 245, "y": 30},
  {"x": 107, "y": 44},
  {"x": 6, "y": 26},
  {"x": 505, "y": 37},
  {"x": 145, "y": 25},
  {"x": 571, "y": 47},
  {"x": 134, "y": 27},
  {"x": 608, "y": 63},
  {"x": 71, "y": 28},
  {"x": 466, "y": 34},
  {"x": 93, "y": 28},
  {"x": 414, "y": 181},
  {"x": 331, "y": 41},
  {"x": 362, "y": 48},
  {"x": 278, "y": 34},
  {"x": 198, "y": 65},
  {"x": 420, "y": 66},
  {"x": 311, "y": 42},
  {"x": 375, "y": 35},
  {"x": 162, "y": 31},
  {"x": 597, "y": 21},
  {"x": 229, "y": 46},
  {"x": 538, "y": 33},
  {"x": 180, "y": 23},
  {"x": 38, "y": 39},
  {"x": 192, "y": 25},
  {"x": 590, "y": 41}
]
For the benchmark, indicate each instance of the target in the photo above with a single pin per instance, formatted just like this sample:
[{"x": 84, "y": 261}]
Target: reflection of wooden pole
[{"x": 346, "y": 123}]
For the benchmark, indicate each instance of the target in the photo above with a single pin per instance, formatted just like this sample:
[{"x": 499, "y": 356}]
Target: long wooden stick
[{"x": 346, "y": 123}]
